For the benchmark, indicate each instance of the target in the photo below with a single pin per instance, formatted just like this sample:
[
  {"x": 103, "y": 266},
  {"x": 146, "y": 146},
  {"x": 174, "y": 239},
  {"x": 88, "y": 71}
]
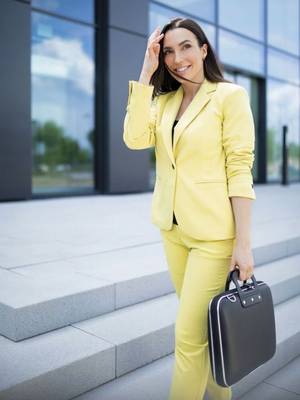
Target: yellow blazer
[{"x": 211, "y": 158}]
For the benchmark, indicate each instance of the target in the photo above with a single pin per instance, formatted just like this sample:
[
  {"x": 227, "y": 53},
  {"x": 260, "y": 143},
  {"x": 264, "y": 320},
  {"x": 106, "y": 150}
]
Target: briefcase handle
[{"x": 247, "y": 298}]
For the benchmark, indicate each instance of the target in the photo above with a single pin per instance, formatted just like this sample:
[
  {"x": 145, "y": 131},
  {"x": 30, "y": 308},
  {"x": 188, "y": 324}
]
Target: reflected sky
[
  {"x": 283, "y": 25},
  {"x": 78, "y": 9},
  {"x": 282, "y": 109},
  {"x": 199, "y": 8},
  {"x": 159, "y": 16},
  {"x": 62, "y": 69},
  {"x": 236, "y": 17},
  {"x": 283, "y": 66},
  {"x": 241, "y": 52}
]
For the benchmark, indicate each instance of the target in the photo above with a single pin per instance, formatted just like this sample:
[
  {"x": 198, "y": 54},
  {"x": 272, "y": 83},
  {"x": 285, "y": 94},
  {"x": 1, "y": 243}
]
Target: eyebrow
[{"x": 168, "y": 48}]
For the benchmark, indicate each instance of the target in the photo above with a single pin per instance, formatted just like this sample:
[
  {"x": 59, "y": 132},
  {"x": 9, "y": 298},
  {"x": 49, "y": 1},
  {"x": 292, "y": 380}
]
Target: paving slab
[
  {"x": 56, "y": 229},
  {"x": 288, "y": 377}
]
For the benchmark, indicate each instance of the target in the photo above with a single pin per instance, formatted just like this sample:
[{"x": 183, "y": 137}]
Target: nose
[{"x": 177, "y": 58}]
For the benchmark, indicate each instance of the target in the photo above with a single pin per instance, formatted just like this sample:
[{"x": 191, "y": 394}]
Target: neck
[{"x": 190, "y": 89}]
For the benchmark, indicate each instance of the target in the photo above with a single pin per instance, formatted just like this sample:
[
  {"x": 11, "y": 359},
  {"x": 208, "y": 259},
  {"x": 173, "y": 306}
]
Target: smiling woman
[
  {"x": 185, "y": 58},
  {"x": 205, "y": 167}
]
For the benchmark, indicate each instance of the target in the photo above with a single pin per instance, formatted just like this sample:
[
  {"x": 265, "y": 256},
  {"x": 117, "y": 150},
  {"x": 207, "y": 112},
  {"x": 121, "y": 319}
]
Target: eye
[
  {"x": 166, "y": 52},
  {"x": 187, "y": 46}
]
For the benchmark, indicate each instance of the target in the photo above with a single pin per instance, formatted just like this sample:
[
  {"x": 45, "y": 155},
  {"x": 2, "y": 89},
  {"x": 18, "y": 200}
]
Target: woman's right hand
[{"x": 151, "y": 60}]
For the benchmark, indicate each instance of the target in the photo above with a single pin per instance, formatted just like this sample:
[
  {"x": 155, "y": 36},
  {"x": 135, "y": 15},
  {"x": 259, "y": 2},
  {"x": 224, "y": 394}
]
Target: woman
[{"x": 202, "y": 128}]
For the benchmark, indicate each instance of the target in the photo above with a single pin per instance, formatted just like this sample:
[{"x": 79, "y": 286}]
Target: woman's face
[{"x": 183, "y": 55}]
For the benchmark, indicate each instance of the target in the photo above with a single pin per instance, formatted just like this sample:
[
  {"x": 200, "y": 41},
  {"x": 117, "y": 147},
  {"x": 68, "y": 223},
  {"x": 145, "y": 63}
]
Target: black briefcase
[{"x": 241, "y": 329}]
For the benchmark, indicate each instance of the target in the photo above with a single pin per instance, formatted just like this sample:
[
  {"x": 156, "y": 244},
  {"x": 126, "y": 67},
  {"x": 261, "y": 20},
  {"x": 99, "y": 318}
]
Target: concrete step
[
  {"x": 104, "y": 348},
  {"x": 39, "y": 298},
  {"x": 152, "y": 381}
]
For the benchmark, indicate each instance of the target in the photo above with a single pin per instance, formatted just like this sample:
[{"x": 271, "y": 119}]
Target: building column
[
  {"x": 15, "y": 99},
  {"x": 122, "y": 41}
]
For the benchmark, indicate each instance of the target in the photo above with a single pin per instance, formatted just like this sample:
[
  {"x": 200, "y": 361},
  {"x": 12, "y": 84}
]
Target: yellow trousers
[{"x": 198, "y": 270}]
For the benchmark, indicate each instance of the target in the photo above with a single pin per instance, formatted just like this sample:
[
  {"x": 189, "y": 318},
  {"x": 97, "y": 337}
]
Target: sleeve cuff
[
  {"x": 241, "y": 190},
  {"x": 136, "y": 90}
]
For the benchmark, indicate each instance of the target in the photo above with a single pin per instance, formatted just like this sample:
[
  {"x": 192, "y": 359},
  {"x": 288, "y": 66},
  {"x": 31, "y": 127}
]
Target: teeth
[{"x": 182, "y": 69}]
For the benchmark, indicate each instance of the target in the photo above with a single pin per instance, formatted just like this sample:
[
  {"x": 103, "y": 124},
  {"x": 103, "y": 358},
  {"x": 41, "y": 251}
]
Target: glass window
[
  {"x": 248, "y": 19},
  {"x": 282, "y": 66},
  {"x": 251, "y": 85},
  {"x": 229, "y": 76},
  {"x": 159, "y": 16},
  {"x": 240, "y": 52},
  {"x": 62, "y": 68},
  {"x": 78, "y": 9},
  {"x": 278, "y": 114},
  {"x": 283, "y": 25},
  {"x": 199, "y": 8}
]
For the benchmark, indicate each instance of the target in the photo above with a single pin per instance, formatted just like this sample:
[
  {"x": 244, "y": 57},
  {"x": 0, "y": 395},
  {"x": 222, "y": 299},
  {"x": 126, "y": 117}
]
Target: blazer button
[{"x": 173, "y": 166}]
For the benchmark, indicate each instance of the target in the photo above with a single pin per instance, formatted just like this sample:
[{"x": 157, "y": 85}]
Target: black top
[{"x": 175, "y": 122}]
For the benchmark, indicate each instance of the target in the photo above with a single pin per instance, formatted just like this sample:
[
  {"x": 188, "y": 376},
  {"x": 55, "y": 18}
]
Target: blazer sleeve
[
  {"x": 140, "y": 118},
  {"x": 238, "y": 143}
]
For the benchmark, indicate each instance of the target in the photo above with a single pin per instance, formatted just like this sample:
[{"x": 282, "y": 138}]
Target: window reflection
[
  {"x": 62, "y": 68},
  {"x": 282, "y": 66},
  {"x": 251, "y": 85},
  {"x": 240, "y": 52},
  {"x": 159, "y": 16},
  {"x": 199, "y": 8},
  {"x": 78, "y": 9},
  {"x": 236, "y": 18},
  {"x": 283, "y": 25},
  {"x": 279, "y": 95}
]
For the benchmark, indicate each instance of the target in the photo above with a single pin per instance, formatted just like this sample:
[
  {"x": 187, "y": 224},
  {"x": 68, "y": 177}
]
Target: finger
[
  {"x": 155, "y": 33},
  {"x": 155, "y": 40},
  {"x": 158, "y": 36},
  {"x": 154, "y": 48}
]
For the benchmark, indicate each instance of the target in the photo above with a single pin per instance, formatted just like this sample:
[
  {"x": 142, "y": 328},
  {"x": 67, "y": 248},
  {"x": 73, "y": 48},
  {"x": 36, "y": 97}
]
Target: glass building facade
[
  {"x": 63, "y": 94},
  {"x": 64, "y": 100}
]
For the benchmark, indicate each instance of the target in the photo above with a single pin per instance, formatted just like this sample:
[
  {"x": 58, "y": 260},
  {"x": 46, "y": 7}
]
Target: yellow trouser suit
[{"x": 198, "y": 271}]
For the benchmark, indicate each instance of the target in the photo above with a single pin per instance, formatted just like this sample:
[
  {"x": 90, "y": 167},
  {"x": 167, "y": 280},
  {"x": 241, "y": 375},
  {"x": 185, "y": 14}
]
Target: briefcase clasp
[{"x": 231, "y": 297}]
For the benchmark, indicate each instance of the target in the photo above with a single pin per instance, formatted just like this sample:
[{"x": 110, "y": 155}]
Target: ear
[{"x": 204, "y": 50}]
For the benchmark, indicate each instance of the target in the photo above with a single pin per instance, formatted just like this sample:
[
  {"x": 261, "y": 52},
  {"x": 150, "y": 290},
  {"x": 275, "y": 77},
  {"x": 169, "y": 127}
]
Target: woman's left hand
[{"x": 242, "y": 259}]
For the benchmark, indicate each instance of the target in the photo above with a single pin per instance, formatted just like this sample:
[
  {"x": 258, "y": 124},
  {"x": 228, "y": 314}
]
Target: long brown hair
[{"x": 163, "y": 81}]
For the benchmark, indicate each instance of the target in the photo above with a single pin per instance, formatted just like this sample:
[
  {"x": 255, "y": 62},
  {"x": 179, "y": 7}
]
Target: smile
[{"x": 182, "y": 69}]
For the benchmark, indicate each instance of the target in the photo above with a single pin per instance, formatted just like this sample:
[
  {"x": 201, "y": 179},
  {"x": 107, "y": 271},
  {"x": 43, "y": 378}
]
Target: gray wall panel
[
  {"x": 131, "y": 15},
  {"x": 129, "y": 169},
  {"x": 15, "y": 128}
]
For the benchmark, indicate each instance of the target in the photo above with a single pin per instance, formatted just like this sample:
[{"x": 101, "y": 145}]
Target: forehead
[{"x": 173, "y": 37}]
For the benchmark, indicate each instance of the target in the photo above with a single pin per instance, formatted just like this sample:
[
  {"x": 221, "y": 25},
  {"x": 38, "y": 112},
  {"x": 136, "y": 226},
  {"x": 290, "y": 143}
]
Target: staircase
[{"x": 105, "y": 321}]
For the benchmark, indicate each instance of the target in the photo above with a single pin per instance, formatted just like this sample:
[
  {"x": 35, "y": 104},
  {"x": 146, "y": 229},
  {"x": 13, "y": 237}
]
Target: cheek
[
  {"x": 193, "y": 56},
  {"x": 167, "y": 60}
]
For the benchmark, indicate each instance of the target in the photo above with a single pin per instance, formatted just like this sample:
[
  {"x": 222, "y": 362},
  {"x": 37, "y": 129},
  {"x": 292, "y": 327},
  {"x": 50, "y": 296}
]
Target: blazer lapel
[
  {"x": 168, "y": 118},
  {"x": 201, "y": 98},
  {"x": 172, "y": 106}
]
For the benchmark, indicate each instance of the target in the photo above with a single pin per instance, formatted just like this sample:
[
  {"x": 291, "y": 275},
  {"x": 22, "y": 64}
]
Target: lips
[{"x": 182, "y": 69}]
